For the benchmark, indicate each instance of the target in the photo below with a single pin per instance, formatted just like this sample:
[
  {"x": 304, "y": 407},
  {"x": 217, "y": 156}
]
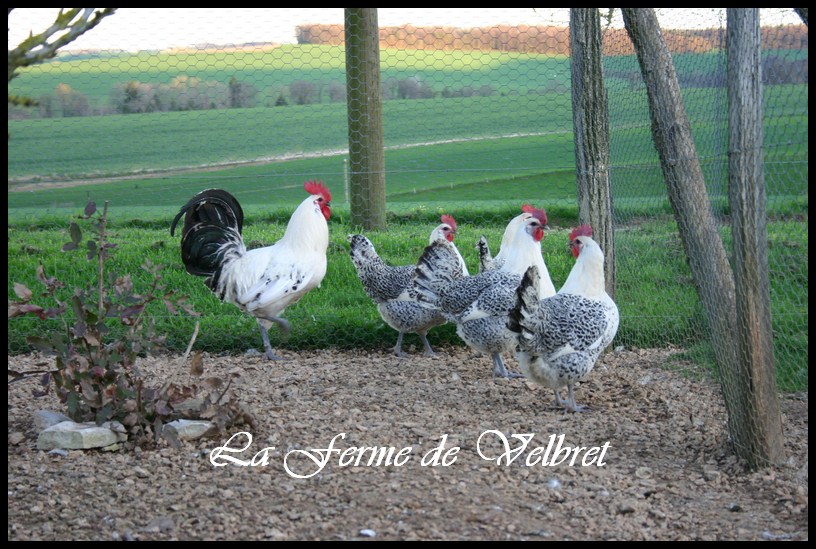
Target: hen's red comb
[
  {"x": 317, "y": 187},
  {"x": 449, "y": 220},
  {"x": 527, "y": 208},
  {"x": 541, "y": 215},
  {"x": 583, "y": 230}
]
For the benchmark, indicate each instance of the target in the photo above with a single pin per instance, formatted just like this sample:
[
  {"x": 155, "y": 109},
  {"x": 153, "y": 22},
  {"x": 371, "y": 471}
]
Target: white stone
[
  {"x": 75, "y": 436},
  {"x": 189, "y": 429}
]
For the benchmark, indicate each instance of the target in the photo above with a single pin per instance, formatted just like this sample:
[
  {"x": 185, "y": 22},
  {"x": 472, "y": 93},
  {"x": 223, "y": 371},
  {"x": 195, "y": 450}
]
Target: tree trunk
[
  {"x": 688, "y": 196},
  {"x": 590, "y": 119},
  {"x": 756, "y": 391},
  {"x": 365, "y": 130}
]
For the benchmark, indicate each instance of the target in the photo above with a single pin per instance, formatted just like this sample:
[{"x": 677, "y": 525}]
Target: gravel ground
[{"x": 667, "y": 471}]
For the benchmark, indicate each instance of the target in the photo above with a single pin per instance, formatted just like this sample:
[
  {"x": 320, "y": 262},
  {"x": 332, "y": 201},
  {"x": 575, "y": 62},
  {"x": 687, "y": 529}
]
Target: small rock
[
  {"x": 554, "y": 483},
  {"x": 643, "y": 472},
  {"x": 710, "y": 473},
  {"x": 160, "y": 524},
  {"x": 657, "y": 513},
  {"x": 115, "y": 426},
  {"x": 79, "y": 436},
  {"x": 189, "y": 429},
  {"x": 539, "y": 533},
  {"x": 774, "y": 537},
  {"x": 16, "y": 438},
  {"x": 627, "y": 507},
  {"x": 368, "y": 533},
  {"x": 645, "y": 380},
  {"x": 734, "y": 507},
  {"x": 140, "y": 472},
  {"x": 58, "y": 452},
  {"x": 118, "y": 428}
]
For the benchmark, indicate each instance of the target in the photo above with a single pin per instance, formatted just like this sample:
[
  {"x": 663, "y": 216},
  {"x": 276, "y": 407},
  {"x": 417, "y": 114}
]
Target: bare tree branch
[{"x": 40, "y": 47}]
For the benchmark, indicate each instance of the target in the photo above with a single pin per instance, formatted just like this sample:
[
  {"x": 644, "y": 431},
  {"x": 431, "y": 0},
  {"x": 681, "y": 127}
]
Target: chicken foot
[
  {"x": 284, "y": 327},
  {"x": 499, "y": 370}
]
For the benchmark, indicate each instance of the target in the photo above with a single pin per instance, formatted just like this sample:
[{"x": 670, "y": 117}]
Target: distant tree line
[
  {"x": 64, "y": 102},
  {"x": 788, "y": 37},
  {"x": 775, "y": 70},
  {"x": 544, "y": 39},
  {"x": 185, "y": 93}
]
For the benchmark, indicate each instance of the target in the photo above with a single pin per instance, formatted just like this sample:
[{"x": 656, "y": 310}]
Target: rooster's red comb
[
  {"x": 539, "y": 214},
  {"x": 583, "y": 230},
  {"x": 317, "y": 187},
  {"x": 449, "y": 220},
  {"x": 527, "y": 208}
]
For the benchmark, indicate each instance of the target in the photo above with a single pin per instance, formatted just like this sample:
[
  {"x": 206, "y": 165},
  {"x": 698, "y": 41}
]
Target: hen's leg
[
  {"x": 558, "y": 403},
  {"x": 285, "y": 328},
  {"x": 499, "y": 370},
  {"x": 428, "y": 350},
  {"x": 398, "y": 346},
  {"x": 570, "y": 404}
]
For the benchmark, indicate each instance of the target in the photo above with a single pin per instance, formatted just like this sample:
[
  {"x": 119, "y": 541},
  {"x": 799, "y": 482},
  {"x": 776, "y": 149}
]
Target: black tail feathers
[
  {"x": 213, "y": 206},
  {"x": 212, "y": 219},
  {"x": 526, "y": 300}
]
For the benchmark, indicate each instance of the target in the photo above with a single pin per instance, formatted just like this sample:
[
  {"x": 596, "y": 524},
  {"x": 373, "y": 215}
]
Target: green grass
[
  {"x": 122, "y": 144},
  {"x": 532, "y": 96},
  {"x": 655, "y": 293}
]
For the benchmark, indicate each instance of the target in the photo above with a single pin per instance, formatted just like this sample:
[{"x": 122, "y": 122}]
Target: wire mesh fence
[{"x": 477, "y": 120}]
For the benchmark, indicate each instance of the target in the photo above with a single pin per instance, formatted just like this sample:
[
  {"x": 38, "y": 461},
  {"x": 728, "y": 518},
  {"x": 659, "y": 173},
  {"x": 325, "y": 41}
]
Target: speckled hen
[
  {"x": 560, "y": 338},
  {"x": 479, "y": 304},
  {"x": 262, "y": 282},
  {"x": 391, "y": 289}
]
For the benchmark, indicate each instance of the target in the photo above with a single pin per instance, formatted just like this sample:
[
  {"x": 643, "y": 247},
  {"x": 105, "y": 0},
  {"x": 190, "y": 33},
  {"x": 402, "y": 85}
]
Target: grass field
[
  {"x": 658, "y": 303},
  {"x": 477, "y": 158}
]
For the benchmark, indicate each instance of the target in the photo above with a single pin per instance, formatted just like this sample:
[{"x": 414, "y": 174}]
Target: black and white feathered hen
[
  {"x": 479, "y": 304},
  {"x": 391, "y": 289},
  {"x": 560, "y": 338}
]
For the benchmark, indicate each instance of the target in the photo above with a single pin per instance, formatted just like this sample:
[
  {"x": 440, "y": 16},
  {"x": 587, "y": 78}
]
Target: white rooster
[
  {"x": 561, "y": 338},
  {"x": 489, "y": 263},
  {"x": 479, "y": 304},
  {"x": 264, "y": 281},
  {"x": 391, "y": 289}
]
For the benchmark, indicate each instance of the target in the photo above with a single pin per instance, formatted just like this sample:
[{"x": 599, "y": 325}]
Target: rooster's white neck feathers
[
  {"x": 510, "y": 233},
  {"x": 307, "y": 228},
  {"x": 587, "y": 275},
  {"x": 524, "y": 251}
]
